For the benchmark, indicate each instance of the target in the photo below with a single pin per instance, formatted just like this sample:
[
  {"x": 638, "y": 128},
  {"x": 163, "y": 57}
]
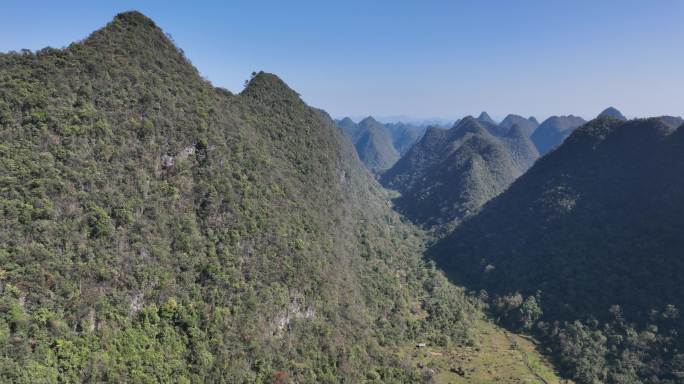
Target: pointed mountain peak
[
  {"x": 533, "y": 120},
  {"x": 347, "y": 121},
  {"x": 469, "y": 125},
  {"x": 613, "y": 113},
  {"x": 131, "y": 31},
  {"x": 512, "y": 116},
  {"x": 135, "y": 18},
  {"x": 267, "y": 86},
  {"x": 485, "y": 118},
  {"x": 370, "y": 120},
  {"x": 132, "y": 39}
]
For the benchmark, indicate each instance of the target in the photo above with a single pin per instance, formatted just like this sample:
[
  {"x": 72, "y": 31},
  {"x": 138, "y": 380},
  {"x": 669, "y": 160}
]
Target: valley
[{"x": 157, "y": 228}]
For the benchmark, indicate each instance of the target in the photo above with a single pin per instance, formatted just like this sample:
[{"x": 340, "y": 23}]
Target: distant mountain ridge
[
  {"x": 374, "y": 146},
  {"x": 552, "y": 131},
  {"x": 380, "y": 145},
  {"x": 449, "y": 174},
  {"x": 592, "y": 231},
  {"x": 528, "y": 125},
  {"x": 485, "y": 118},
  {"x": 613, "y": 113}
]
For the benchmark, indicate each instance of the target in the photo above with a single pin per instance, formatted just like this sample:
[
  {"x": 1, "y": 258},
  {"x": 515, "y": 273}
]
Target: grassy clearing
[{"x": 498, "y": 356}]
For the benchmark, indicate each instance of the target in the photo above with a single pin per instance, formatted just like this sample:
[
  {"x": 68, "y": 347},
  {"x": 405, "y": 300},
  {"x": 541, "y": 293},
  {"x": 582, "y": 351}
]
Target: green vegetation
[
  {"x": 494, "y": 356},
  {"x": 157, "y": 229},
  {"x": 584, "y": 251},
  {"x": 373, "y": 143},
  {"x": 449, "y": 174}
]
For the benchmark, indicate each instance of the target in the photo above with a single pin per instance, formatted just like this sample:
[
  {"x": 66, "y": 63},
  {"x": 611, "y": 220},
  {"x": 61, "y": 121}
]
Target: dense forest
[
  {"x": 449, "y": 174},
  {"x": 585, "y": 251},
  {"x": 158, "y": 229},
  {"x": 378, "y": 145}
]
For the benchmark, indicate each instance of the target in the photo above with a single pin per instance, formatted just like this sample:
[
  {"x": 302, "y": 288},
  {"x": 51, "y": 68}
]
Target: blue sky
[{"x": 413, "y": 58}]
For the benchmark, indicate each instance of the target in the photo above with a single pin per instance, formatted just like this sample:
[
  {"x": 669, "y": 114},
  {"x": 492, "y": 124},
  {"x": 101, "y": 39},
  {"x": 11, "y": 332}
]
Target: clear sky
[{"x": 413, "y": 58}]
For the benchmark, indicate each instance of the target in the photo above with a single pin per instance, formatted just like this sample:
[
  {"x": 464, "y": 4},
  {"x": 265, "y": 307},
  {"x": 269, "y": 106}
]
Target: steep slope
[
  {"x": 485, "y": 118},
  {"x": 404, "y": 135},
  {"x": 553, "y": 131},
  {"x": 449, "y": 174},
  {"x": 613, "y": 113},
  {"x": 350, "y": 128},
  {"x": 593, "y": 230},
  {"x": 527, "y": 125},
  {"x": 158, "y": 229},
  {"x": 374, "y": 146},
  {"x": 522, "y": 150},
  {"x": 379, "y": 145}
]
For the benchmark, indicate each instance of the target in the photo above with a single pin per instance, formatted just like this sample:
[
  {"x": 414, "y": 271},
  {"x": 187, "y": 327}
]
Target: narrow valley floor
[{"x": 498, "y": 356}]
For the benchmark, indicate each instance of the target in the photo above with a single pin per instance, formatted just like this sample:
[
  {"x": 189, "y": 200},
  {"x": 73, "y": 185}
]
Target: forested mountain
[
  {"x": 350, "y": 128},
  {"x": 485, "y": 118},
  {"x": 374, "y": 146},
  {"x": 380, "y": 145},
  {"x": 592, "y": 236},
  {"x": 552, "y": 131},
  {"x": 528, "y": 125},
  {"x": 522, "y": 150},
  {"x": 404, "y": 135},
  {"x": 158, "y": 229},
  {"x": 449, "y": 174},
  {"x": 613, "y": 113}
]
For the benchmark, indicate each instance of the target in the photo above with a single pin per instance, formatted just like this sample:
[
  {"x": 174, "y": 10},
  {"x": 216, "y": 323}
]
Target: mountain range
[
  {"x": 448, "y": 174},
  {"x": 591, "y": 231},
  {"x": 528, "y": 125},
  {"x": 552, "y": 131},
  {"x": 156, "y": 228},
  {"x": 159, "y": 229},
  {"x": 379, "y": 145}
]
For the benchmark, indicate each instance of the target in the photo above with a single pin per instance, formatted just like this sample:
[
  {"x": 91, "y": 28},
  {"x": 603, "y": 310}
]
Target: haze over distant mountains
[
  {"x": 528, "y": 125},
  {"x": 156, "y": 228},
  {"x": 552, "y": 131},
  {"x": 379, "y": 145}
]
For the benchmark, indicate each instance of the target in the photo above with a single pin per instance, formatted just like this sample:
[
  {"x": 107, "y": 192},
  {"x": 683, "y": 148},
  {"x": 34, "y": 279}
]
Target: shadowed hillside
[
  {"x": 552, "y": 131},
  {"x": 592, "y": 232},
  {"x": 449, "y": 174},
  {"x": 528, "y": 126}
]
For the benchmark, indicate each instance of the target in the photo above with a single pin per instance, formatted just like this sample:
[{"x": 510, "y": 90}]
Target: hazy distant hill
[
  {"x": 374, "y": 146},
  {"x": 522, "y": 150},
  {"x": 449, "y": 174},
  {"x": 404, "y": 135},
  {"x": 380, "y": 145},
  {"x": 552, "y": 131},
  {"x": 528, "y": 125},
  {"x": 485, "y": 118},
  {"x": 612, "y": 112},
  {"x": 592, "y": 231}
]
